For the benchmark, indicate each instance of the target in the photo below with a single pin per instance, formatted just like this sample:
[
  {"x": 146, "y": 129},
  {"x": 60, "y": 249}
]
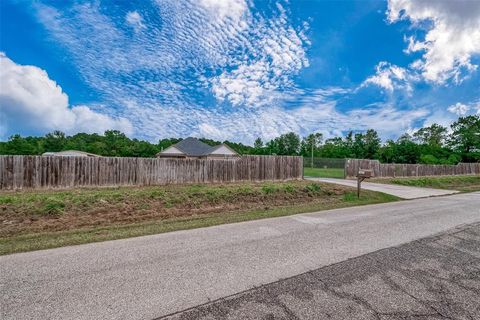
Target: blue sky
[{"x": 236, "y": 69}]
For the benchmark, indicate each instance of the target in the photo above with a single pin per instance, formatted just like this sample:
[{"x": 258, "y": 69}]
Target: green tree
[
  {"x": 428, "y": 159},
  {"x": 465, "y": 137},
  {"x": 55, "y": 141},
  {"x": 372, "y": 144},
  {"x": 336, "y": 148},
  {"x": 387, "y": 152},
  {"x": 434, "y": 135},
  {"x": 17, "y": 145},
  {"x": 117, "y": 143},
  {"x": 285, "y": 144},
  {"x": 290, "y": 143},
  {"x": 258, "y": 146},
  {"x": 358, "y": 147},
  {"x": 406, "y": 151}
]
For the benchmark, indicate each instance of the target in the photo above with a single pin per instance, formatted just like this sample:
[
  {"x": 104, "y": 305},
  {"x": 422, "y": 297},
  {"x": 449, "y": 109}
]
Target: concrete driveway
[
  {"x": 403, "y": 192},
  {"x": 153, "y": 276}
]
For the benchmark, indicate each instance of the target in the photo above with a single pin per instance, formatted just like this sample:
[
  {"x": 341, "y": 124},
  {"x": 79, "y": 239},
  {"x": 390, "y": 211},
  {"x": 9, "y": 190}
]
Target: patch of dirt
[{"x": 20, "y": 217}]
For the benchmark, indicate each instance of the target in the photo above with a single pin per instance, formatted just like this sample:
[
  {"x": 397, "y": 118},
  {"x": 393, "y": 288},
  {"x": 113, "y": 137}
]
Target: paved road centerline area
[
  {"x": 153, "y": 276},
  {"x": 404, "y": 192},
  {"x": 433, "y": 278}
]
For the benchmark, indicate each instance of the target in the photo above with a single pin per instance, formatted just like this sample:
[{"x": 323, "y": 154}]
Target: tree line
[{"x": 434, "y": 144}]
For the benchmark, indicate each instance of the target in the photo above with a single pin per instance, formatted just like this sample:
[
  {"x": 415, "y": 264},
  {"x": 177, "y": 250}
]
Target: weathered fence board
[
  {"x": 31, "y": 172},
  {"x": 408, "y": 170}
]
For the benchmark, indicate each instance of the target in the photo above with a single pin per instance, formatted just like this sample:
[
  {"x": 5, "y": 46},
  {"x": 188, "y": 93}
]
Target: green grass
[
  {"x": 460, "y": 183},
  {"x": 324, "y": 172},
  {"x": 33, "y": 220}
]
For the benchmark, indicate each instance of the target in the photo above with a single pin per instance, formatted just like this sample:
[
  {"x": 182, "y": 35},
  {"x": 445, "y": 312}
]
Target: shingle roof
[{"x": 194, "y": 147}]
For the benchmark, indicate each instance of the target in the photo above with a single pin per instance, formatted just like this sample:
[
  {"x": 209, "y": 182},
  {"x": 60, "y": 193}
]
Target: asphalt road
[
  {"x": 404, "y": 192},
  {"x": 153, "y": 276},
  {"x": 433, "y": 278}
]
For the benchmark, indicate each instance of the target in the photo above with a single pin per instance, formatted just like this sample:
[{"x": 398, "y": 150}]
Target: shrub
[
  {"x": 269, "y": 189},
  {"x": 6, "y": 200},
  {"x": 246, "y": 190},
  {"x": 289, "y": 188},
  {"x": 52, "y": 206},
  {"x": 156, "y": 194},
  {"x": 313, "y": 188}
]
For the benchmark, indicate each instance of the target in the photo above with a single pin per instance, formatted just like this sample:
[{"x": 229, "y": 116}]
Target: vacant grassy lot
[
  {"x": 45, "y": 219},
  {"x": 324, "y": 172},
  {"x": 460, "y": 183}
]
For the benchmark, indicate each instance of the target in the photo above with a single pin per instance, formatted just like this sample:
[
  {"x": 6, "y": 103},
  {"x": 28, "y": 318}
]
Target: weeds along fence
[
  {"x": 32, "y": 172},
  {"x": 408, "y": 170}
]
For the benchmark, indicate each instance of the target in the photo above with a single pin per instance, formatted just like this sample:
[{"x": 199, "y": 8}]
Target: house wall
[{"x": 223, "y": 150}]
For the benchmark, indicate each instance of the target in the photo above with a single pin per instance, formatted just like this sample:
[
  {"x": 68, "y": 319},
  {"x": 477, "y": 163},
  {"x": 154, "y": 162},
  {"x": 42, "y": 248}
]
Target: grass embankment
[
  {"x": 324, "y": 172},
  {"x": 32, "y": 220},
  {"x": 460, "y": 183}
]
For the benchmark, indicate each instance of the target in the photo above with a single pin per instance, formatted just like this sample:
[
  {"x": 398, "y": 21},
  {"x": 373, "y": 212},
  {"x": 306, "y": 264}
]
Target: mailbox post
[{"x": 362, "y": 175}]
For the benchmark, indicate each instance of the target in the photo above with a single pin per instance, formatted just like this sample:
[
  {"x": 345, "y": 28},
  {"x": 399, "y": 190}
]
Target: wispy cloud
[
  {"x": 194, "y": 51},
  {"x": 214, "y": 68},
  {"x": 276, "y": 51}
]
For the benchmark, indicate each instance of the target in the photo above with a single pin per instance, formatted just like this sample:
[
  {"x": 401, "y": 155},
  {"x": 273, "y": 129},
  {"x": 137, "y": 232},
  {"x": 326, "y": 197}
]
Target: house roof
[
  {"x": 70, "y": 153},
  {"x": 194, "y": 148}
]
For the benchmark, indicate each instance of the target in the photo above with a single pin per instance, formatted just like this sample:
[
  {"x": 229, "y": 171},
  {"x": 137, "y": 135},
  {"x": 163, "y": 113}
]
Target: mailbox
[{"x": 364, "y": 173}]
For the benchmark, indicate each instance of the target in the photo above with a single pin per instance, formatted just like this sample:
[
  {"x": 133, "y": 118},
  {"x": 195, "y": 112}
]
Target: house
[
  {"x": 70, "y": 153},
  {"x": 194, "y": 148}
]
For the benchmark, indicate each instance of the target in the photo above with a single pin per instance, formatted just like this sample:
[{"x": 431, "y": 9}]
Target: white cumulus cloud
[
  {"x": 459, "y": 109},
  {"x": 31, "y": 101},
  {"x": 452, "y": 36},
  {"x": 389, "y": 77}
]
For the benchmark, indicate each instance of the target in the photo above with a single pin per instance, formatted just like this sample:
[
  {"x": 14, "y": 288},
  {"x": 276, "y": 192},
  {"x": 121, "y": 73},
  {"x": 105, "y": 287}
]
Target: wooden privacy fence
[
  {"x": 408, "y": 170},
  {"x": 19, "y": 172}
]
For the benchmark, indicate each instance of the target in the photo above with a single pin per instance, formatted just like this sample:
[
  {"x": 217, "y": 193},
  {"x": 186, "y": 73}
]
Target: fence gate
[{"x": 324, "y": 167}]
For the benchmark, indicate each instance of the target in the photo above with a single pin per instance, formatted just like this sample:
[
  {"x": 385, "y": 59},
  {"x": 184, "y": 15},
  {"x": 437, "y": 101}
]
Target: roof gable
[
  {"x": 172, "y": 150},
  {"x": 223, "y": 149}
]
